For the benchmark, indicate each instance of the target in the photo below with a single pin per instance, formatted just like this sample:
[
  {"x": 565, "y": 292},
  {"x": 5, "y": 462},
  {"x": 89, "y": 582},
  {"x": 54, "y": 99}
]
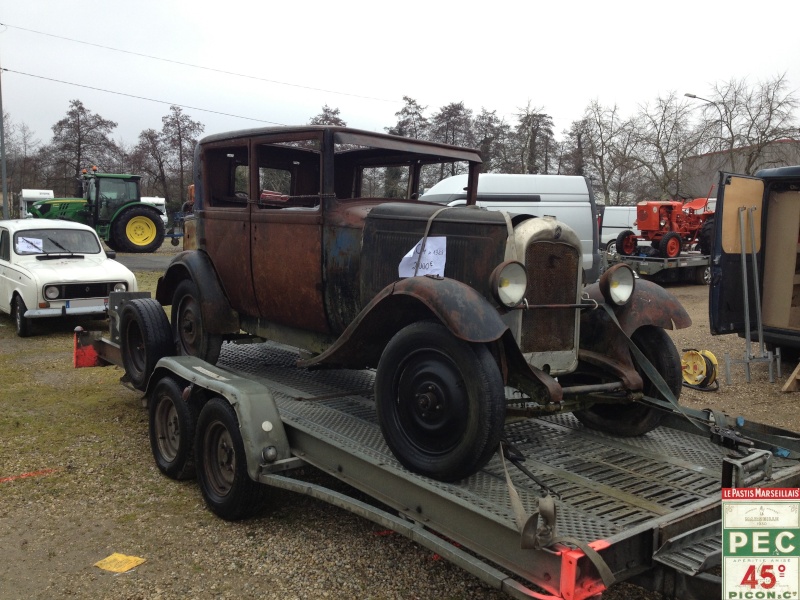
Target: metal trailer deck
[
  {"x": 692, "y": 266},
  {"x": 650, "y": 506}
]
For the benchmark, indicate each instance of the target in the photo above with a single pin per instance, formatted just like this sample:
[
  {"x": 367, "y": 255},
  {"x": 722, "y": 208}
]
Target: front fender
[
  {"x": 651, "y": 305},
  {"x": 466, "y": 314},
  {"x": 218, "y": 315}
]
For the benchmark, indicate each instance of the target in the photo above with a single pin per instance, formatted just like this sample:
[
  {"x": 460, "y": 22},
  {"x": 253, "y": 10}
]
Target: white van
[
  {"x": 615, "y": 220},
  {"x": 159, "y": 203},
  {"x": 568, "y": 198}
]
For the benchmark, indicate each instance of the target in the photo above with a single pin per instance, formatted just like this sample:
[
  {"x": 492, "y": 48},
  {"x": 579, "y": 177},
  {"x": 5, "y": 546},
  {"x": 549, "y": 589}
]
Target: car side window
[
  {"x": 228, "y": 175},
  {"x": 289, "y": 175},
  {"x": 5, "y": 245}
]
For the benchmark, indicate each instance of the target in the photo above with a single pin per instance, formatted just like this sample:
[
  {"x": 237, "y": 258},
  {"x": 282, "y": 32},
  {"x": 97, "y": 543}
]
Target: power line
[
  {"x": 185, "y": 64},
  {"x": 88, "y": 87}
]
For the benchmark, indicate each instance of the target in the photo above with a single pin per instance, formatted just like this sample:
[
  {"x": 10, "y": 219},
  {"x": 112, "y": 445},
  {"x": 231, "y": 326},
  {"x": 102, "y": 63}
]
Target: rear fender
[
  {"x": 465, "y": 313},
  {"x": 218, "y": 315}
]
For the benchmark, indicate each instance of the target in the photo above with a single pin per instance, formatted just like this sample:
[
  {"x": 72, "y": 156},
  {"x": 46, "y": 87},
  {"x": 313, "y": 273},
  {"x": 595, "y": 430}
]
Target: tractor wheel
[
  {"x": 627, "y": 243},
  {"x": 138, "y": 229},
  {"x": 706, "y": 237},
  {"x": 670, "y": 245}
]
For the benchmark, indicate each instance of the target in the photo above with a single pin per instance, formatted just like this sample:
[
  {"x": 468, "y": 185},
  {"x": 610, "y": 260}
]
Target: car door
[
  {"x": 5, "y": 264},
  {"x": 740, "y": 203},
  {"x": 286, "y": 232}
]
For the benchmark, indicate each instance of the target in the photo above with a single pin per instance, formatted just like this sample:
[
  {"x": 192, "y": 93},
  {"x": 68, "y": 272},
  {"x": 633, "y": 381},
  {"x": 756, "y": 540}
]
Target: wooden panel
[
  {"x": 780, "y": 257},
  {"x": 741, "y": 193}
]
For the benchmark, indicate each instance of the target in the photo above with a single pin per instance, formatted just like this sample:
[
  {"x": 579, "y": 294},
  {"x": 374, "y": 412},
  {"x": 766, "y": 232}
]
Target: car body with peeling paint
[{"x": 469, "y": 316}]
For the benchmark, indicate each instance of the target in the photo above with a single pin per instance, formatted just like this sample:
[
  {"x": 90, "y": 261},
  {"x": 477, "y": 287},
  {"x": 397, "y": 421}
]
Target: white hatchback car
[{"x": 52, "y": 268}]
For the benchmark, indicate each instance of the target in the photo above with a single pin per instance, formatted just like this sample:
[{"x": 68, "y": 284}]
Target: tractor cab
[{"x": 106, "y": 194}]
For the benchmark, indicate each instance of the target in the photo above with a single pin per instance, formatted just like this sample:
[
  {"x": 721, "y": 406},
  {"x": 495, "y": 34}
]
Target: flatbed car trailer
[
  {"x": 592, "y": 508},
  {"x": 690, "y": 267}
]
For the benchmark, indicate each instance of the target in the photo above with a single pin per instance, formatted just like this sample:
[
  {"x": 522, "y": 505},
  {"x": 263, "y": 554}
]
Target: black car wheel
[
  {"x": 638, "y": 418},
  {"x": 189, "y": 331},
  {"x": 146, "y": 338},
  {"x": 172, "y": 423},
  {"x": 440, "y": 402}
]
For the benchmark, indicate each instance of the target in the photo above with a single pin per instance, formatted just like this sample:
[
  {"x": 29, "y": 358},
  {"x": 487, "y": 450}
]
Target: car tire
[
  {"x": 188, "y": 328},
  {"x": 23, "y": 325},
  {"x": 627, "y": 244},
  {"x": 172, "y": 424},
  {"x": 440, "y": 402},
  {"x": 221, "y": 464},
  {"x": 145, "y": 338},
  {"x": 629, "y": 420},
  {"x": 670, "y": 245},
  {"x": 138, "y": 229}
]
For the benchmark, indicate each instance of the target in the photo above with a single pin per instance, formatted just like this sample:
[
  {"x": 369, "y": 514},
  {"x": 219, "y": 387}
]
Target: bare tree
[
  {"x": 151, "y": 157},
  {"x": 180, "y": 134},
  {"x": 411, "y": 120},
  {"x": 328, "y": 116},
  {"x": 536, "y": 140},
  {"x": 82, "y": 137},
  {"x": 490, "y": 134},
  {"x": 665, "y": 137}
]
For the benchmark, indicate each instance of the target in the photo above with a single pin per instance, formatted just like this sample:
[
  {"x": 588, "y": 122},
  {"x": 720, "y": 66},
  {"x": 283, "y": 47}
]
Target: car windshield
[{"x": 54, "y": 241}]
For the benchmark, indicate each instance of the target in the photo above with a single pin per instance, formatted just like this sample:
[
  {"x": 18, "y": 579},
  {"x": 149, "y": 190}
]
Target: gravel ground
[{"x": 93, "y": 490}]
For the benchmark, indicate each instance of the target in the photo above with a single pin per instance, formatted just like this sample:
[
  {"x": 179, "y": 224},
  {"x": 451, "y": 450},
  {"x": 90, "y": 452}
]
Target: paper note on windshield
[
  {"x": 431, "y": 260},
  {"x": 27, "y": 245}
]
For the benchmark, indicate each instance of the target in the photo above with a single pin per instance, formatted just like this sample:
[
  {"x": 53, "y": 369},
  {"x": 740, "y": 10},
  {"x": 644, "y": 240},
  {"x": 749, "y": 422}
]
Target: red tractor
[{"x": 670, "y": 226}]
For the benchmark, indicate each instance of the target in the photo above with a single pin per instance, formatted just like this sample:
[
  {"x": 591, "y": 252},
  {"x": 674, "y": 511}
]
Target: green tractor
[{"x": 112, "y": 204}]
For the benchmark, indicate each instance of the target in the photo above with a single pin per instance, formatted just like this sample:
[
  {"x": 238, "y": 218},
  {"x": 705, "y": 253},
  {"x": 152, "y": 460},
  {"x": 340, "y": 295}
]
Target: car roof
[
  {"x": 349, "y": 135},
  {"x": 15, "y": 225}
]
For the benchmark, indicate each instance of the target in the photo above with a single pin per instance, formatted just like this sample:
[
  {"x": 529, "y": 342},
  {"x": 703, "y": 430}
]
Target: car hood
[{"x": 89, "y": 268}]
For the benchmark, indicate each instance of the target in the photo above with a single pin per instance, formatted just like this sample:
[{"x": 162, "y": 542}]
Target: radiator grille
[
  {"x": 70, "y": 291},
  {"x": 553, "y": 269}
]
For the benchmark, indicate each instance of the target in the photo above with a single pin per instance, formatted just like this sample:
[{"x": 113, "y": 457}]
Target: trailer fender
[
  {"x": 651, "y": 305},
  {"x": 465, "y": 313},
  {"x": 218, "y": 315},
  {"x": 259, "y": 419}
]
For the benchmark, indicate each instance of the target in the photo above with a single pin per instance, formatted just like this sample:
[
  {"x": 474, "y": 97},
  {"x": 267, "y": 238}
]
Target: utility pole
[{"x": 3, "y": 150}]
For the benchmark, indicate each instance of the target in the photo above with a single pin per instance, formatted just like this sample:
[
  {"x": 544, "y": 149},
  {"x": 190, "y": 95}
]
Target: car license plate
[{"x": 83, "y": 302}]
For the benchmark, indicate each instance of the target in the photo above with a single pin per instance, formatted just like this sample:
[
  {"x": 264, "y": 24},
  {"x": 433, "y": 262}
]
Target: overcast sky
[{"x": 363, "y": 57}]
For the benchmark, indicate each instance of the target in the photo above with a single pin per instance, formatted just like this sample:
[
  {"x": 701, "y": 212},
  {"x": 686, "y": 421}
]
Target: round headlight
[
  {"x": 617, "y": 284},
  {"x": 51, "y": 292},
  {"x": 120, "y": 287},
  {"x": 509, "y": 282}
]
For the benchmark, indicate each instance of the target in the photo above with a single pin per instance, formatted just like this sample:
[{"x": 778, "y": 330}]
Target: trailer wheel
[
  {"x": 440, "y": 402},
  {"x": 221, "y": 463},
  {"x": 702, "y": 275},
  {"x": 146, "y": 338},
  {"x": 138, "y": 229},
  {"x": 637, "y": 419},
  {"x": 189, "y": 331},
  {"x": 670, "y": 245},
  {"x": 172, "y": 425},
  {"x": 21, "y": 322},
  {"x": 627, "y": 243}
]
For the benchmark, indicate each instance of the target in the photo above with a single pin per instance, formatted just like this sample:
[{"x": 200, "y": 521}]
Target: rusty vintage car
[{"x": 491, "y": 319}]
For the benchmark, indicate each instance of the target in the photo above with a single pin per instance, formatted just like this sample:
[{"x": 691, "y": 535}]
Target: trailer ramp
[{"x": 650, "y": 505}]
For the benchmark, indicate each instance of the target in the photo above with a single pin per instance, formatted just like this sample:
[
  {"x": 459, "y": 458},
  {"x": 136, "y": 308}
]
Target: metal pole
[
  {"x": 748, "y": 353},
  {"x": 3, "y": 150}
]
